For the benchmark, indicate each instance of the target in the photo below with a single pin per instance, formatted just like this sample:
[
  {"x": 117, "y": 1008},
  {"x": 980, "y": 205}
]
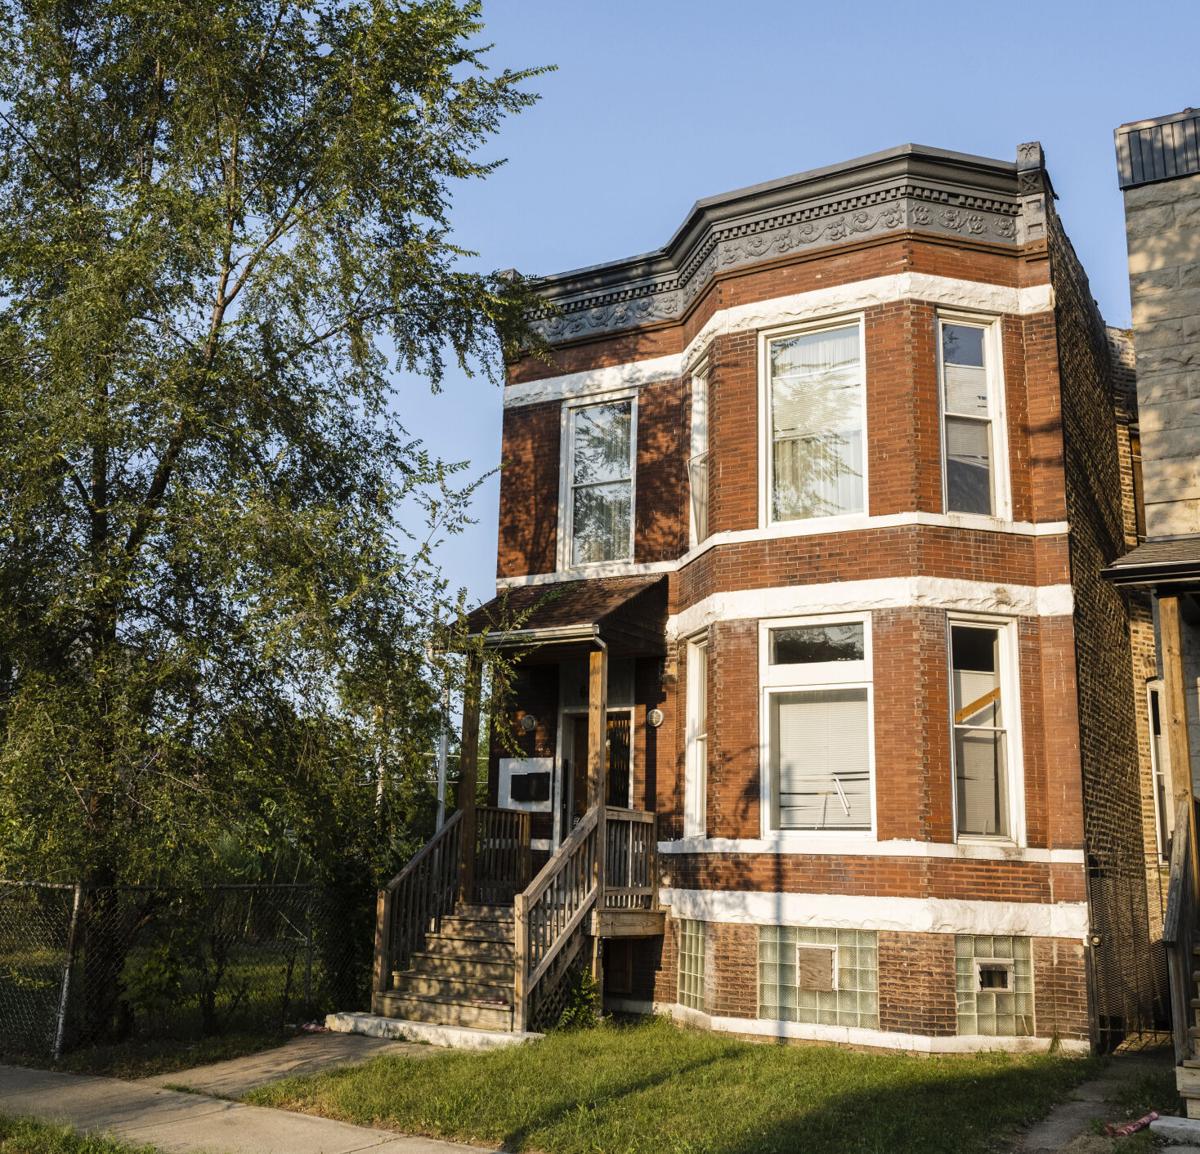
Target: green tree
[{"x": 222, "y": 227}]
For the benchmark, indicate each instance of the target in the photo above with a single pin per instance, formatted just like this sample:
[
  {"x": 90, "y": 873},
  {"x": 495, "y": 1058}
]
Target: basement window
[
  {"x": 822, "y": 976},
  {"x": 994, "y": 985}
]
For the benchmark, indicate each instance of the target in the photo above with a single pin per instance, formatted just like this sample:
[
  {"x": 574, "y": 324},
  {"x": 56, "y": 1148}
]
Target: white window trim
[
  {"x": 1006, "y": 964},
  {"x": 566, "y": 468},
  {"x": 994, "y": 364},
  {"x": 773, "y": 679},
  {"x": 695, "y": 781},
  {"x": 766, "y": 442},
  {"x": 700, "y": 414},
  {"x": 1161, "y": 820},
  {"x": 1010, "y": 684}
]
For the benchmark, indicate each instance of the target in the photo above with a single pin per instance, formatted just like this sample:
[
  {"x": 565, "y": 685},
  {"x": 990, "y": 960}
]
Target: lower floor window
[
  {"x": 994, "y": 985},
  {"x": 825, "y": 977},
  {"x": 820, "y": 759},
  {"x": 691, "y": 964}
]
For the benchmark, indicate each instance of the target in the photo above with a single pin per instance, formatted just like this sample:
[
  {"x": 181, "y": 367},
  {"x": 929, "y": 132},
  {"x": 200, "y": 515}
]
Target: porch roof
[
  {"x": 629, "y": 614},
  {"x": 1172, "y": 561}
]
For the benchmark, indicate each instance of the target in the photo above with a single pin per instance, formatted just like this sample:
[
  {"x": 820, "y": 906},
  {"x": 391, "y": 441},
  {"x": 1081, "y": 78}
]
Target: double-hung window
[
  {"x": 599, "y": 491},
  {"x": 972, "y": 418},
  {"x": 817, "y": 741},
  {"x": 698, "y": 459},
  {"x": 816, "y": 413},
  {"x": 695, "y": 782},
  {"x": 983, "y": 719}
]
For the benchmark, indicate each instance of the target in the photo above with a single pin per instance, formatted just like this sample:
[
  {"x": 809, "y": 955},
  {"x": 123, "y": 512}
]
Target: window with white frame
[
  {"x": 817, "y": 711},
  {"x": 981, "y": 720},
  {"x": 599, "y": 497},
  {"x": 816, "y": 414},
  {"x": 695, "y": 784},
  {"x": 971, "y": 417},
  {"x": 1164, "y": 813},
  {"x": 698, "y": 460}
]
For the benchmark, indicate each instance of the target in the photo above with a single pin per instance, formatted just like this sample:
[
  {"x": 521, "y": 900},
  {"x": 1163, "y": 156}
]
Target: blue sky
[{"x": 660, "y": 102}]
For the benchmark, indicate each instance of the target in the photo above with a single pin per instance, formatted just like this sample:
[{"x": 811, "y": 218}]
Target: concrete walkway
[
  {"x": 1068, "y": 1128},
  {"x": 307, "y": 1054},
  {"x": 181, "y": 1123}
]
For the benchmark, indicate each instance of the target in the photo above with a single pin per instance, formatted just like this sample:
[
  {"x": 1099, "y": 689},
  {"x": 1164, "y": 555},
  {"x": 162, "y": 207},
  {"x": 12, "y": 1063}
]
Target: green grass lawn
[
  {"x": 23, "y": 1136},
  {"x": 657, "y": 1087}
]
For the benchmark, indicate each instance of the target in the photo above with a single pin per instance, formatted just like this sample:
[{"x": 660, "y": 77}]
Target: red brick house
[{"x": 810, "y": 506}]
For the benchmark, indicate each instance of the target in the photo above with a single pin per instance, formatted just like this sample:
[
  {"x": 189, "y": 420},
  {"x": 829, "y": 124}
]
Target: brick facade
[{"x": 1082, "y": 649}]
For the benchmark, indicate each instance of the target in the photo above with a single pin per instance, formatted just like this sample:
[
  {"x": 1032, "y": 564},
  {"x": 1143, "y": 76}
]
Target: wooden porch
[{"x": 467, "y": 935}]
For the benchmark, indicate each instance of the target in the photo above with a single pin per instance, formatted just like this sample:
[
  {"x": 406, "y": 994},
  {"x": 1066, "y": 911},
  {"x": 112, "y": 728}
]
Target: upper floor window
[
  {"x": 985, "y": 795},
  {"x": 816, "y": 407},
  {"x": 698, "y": 459},
  {"x": 971, "y": 418},
  {"x": 695, "y": 782},
  {"x": 817, "y": 741},
  {"x": 599, "y": 498}
]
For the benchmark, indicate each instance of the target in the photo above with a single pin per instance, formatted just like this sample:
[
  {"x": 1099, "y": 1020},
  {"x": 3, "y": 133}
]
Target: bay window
[
  {"x": 698, "y": 459},
  {"x": 599, "y": 491},
  {"x": 815, "y": 409},
  {"x": 818, "y": 733}
]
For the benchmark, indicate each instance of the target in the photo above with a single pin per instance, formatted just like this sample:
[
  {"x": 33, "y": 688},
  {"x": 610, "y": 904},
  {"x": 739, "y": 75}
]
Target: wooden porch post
[
  {"x": 1175, "y": 699},
  {"x": 468, "y": 774},
  {"x": 383, "y": 932},
  {"x": 598, "y": 780}
]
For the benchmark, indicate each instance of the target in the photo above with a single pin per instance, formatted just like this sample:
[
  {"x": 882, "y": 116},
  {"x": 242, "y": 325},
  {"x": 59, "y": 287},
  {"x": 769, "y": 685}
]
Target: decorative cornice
[{"x": 905, "y": 189}]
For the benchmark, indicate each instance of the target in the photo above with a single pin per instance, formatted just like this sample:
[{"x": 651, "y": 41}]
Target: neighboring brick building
[
  {"x": 1158, "y": 165},
  {"x": 833, "y": 476}
]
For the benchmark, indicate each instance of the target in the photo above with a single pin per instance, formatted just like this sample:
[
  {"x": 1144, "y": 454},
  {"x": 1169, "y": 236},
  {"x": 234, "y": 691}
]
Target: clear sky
[{"x": 658, "y": 103}]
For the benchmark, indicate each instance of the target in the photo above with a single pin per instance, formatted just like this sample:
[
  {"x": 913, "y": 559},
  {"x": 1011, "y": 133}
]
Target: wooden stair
[{"x": 463, "y": 975}]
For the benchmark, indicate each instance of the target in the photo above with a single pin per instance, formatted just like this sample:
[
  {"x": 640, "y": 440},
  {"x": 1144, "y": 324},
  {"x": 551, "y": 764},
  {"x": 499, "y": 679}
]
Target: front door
[{"x": 572, "y": 778}]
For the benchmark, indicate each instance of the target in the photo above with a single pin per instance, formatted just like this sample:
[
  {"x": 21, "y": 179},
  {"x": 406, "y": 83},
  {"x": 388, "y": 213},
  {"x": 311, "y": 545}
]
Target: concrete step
[
  {"x": 485, "y": 929},
  {"x": 469, "y": 969},
  {"x": 448, "y": 1011},
  {"x": 434, "y": 985},
  {"x": 481, "y": 949}
]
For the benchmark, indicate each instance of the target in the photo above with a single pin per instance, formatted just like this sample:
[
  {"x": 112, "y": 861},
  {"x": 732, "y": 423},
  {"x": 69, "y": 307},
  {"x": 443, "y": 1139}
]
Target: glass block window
[
  {"x": 994, "y": 984},
  {"x": 691, "y": 964},
  {"x": 794, "y": 972}
]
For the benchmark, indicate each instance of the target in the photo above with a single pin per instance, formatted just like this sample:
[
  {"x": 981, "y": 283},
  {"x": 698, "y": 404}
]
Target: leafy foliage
[{"x": 221, "y": 228}]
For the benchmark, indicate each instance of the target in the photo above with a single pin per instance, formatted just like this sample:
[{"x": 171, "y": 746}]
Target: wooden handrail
[
  {"x": 414, "y": 902},
  {"x": 1179, "y": 928},
  {"x": 454, "y": 819},
  {"x": 551, "y": 913}
]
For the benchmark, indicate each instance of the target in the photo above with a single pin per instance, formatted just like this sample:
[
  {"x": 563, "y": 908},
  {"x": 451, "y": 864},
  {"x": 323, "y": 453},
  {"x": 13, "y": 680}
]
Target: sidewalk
[
  {"x": 307, "y": 1054},
  {"x": 181, "y": 1123}
]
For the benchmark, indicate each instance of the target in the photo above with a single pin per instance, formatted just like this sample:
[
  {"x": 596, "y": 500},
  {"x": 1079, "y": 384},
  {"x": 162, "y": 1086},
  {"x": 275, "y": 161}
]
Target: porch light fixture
[
  {"x": 654, "y": 718},
  {"x": 528, "y": 723}
]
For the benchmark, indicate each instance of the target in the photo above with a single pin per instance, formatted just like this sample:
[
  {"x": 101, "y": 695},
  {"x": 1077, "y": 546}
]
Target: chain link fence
[{"x": 82, "y": 965}]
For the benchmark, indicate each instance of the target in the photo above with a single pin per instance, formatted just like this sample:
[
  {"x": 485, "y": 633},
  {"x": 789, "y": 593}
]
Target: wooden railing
[
  {"x": 503, "y": 862},
  {"x": 630, "y": 860},
  {"x": 1179, "y": 930},
  {"x": 551, "y": 915},
  {"x": 413, "y": 903}
]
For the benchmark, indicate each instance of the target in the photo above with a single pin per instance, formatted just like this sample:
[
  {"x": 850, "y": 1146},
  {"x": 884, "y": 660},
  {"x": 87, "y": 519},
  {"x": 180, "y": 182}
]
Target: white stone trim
[
  {"x": 860, "y": 845},
  {"x": 853, "y": 523},
  {"x": 815, "y": 304},
  {"x": 944, "y": 291},
  {"x": 866, "y": 912},
  {"x": 874, "y": 593},
  {"x": 860, "y": 1036},
  {"x": 592, "y": 381}
]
